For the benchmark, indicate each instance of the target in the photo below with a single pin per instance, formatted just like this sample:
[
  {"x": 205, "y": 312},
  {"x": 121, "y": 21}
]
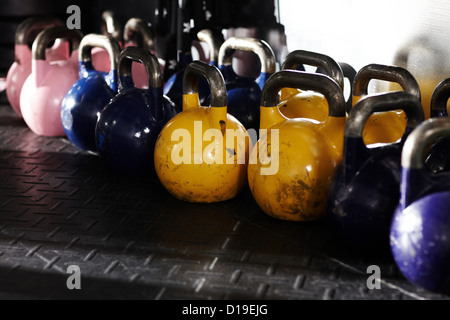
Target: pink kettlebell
[
  {"x": 21, "y": 67},
  {"x": 133, "y": 28},
  {"x": 48, "y": 83},
  {"x": 110, "y": 27}
]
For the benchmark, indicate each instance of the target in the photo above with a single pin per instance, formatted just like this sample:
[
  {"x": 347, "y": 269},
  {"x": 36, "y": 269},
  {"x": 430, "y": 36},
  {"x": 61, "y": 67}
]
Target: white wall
[{"x": 360, "y": 32}]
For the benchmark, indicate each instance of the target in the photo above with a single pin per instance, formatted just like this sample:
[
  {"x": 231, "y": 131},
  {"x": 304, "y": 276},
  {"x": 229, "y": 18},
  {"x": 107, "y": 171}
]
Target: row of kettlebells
[{"x": 316, "y": 155}]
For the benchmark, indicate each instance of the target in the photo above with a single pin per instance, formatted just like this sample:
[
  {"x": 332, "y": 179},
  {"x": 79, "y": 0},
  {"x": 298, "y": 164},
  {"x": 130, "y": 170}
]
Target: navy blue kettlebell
[
  {"x": 420, "y": 230},
  {"x": 90, "y": 94},
  {"x": 128, "y": 126},
  {"x": 244, "y": 94},
  {"x": 365, "y": 188},
  {"x": 439, "y": 155}
]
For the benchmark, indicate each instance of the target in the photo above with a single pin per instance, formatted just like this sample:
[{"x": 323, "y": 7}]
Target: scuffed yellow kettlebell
[
  {"x": 201, "y": 154},
  {"x": 388, "y": 126},
  {"x": 291, "y": 166},
  {"x": 308, "y": 104}
]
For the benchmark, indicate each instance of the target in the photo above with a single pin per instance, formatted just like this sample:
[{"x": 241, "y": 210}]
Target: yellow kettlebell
[
  {"x": 201, "y": 155},
  {"x": 308, "y": 104},
  {"x": 388, "y": 126},
  {"x": 291, "y": 166}
]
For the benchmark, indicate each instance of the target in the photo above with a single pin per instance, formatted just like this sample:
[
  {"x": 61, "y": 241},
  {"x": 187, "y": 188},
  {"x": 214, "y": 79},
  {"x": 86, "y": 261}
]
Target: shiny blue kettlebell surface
[
  {"x": 128, "y": 127},
  {"x": 88, "y": 96},
  {"x": 366, "y": 186},
  {"x": 420, "y": 230}
]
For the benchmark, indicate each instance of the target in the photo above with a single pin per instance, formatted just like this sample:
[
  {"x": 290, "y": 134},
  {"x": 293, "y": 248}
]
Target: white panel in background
[{"x": 414, "y": 34}]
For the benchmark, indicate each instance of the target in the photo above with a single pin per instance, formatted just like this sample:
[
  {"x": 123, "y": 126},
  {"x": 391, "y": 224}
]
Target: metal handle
[
  {"x": 213, "y": 41},
  {"x": 95, "y": 40},
  {"x": 136, "y": 26},
  {"x": 46, "y": 36},
  {"x": 439, "y": 98},
  {"x": 306, "y": 81},
  {"x": 382, "y": 102},
  {"x": 387, "y": 73},
  {"x": 28, "y": 28},
  {"x": 328, "y": 64},
  {"x": 259, "y": 47},
  {"x": 148, "y": 59},
  {"x": 198, "y": 69},
  {"x": 425, "y": 134},
  {"x": 110, "y": 25}
]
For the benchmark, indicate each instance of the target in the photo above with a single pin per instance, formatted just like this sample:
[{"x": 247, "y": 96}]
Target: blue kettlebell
[
  {"x": 128, "y": 126},
  {"x": 365, "y": 188},
  {"x": 420, "y": 230},
  {"x": 90, "y": 94},
  {"x": 244, "y": 94}
]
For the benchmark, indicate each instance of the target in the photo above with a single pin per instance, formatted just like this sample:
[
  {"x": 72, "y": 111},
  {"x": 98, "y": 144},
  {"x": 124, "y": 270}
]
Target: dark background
[{"x": 225, "y": 14}]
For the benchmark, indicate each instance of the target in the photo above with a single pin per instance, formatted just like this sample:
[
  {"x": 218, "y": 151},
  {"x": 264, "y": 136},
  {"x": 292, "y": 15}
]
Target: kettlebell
[
  {"x": 48, "y": 83},
  {"x": 419, "y": 235},
  {"x": 378, "y": 129},
  {"x": 439, "y": 97},
  {"x": 21, "y": 67},
  {"x": 110, "y": 26},
  {"x": 213, "y": 41},
  {"x": 366, "y": 186},
  {"x": 291, "y": 166},
  {"x": 438, "y": 155},
  {"x": 201, "y": 154},
  {"x": 244, "y": 94},
  {"x": 128, "y": 126},
  {"x": 308, "y": 104},
  {"x": 88, "y": 96},
  {"x": 134, "y": 28}
]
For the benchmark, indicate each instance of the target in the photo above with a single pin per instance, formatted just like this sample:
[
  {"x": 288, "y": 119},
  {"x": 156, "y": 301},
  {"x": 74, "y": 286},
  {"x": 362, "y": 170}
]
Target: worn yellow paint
[
  {"x": 297, "y": 103},
  {"x": 383, "y": 127},
  {"x": 209, "y": 177},
  {"x": 309, "y": 152}
]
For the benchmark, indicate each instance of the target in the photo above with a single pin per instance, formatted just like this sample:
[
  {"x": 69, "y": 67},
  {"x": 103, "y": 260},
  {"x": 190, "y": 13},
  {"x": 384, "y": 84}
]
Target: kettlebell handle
[
  {"x": 213, "y": 42},
  {"x": 259, "y": 47},
  {"x": 101, "y": 41},
  {"x": 439, "y": 98},
  {"x": 328, "y": 64},
  {"x": 29, "y": 26},
  {"x": 425, "y": 134},
  {"x": 364, "y": 108},
  {"x": 148, "y": 59},
  {"x": 197, "y": 69},
  {"x": 306, "y": 81},
  {"x": 110, "y": 25},
  {"x": 136, "y": 26},
  {"x": 387, "y": 73},
  {"x": 46, "y": 36}
]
